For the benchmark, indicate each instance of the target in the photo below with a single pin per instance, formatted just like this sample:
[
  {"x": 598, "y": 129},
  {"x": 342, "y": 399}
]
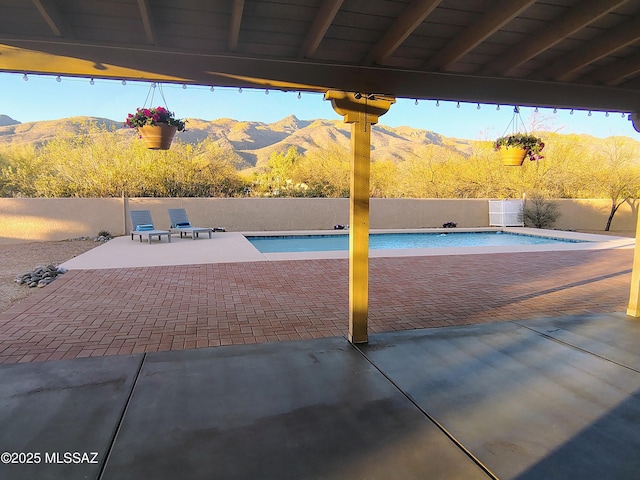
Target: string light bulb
[
  {"x": 606, "y": 114},
  {"x": 266, "y": 92},
  {"x": 437, "y": 103},
  {"x": 571, "y": 112},
  {"x": 299, "y": 95},
  {"x": 416, "y": 102},
  {"x": 184, "y": 86},
  {"x": 589, "y": 113},
  {"x": 622, "y": 114},
  {"x": 458, "y": 105},
  {"x": 92, "y": 82},
  {"x": 212, "y": 89},
  {"x": 555, "y": 110},
  {"x": 153, "y": 85},
  {"x": 498, "y": 107},
  {"x": 25, "y": 77},
  {"x": 536, "y": 110},
  {"x": 124, "y": 82},
  {"x": 58, "y": 79},
  {"x": 478, "y": 107},
  {"x": 240, "y": 90}
]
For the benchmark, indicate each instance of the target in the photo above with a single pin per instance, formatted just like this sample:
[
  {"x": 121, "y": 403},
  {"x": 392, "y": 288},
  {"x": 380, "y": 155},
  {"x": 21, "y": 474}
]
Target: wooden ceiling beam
[
  {"x": 321, "y": 23},
  {"x": 583, "y": 14},
  {"x": 404, "y": 26},
  {"x": 618, "y": 72},
  {"x": 498, "y": 16},
  {"x": 568, "y": 67},
  {"x": 234, "y": 27},
  {"x": 145, "y": 15},
  {"x": 154, "y": 64},
  {"x": 53, "y": 17}
]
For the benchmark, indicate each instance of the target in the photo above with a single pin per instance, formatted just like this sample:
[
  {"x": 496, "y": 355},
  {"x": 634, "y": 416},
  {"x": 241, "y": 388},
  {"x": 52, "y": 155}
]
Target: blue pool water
[{"x": 379, "y": 241}]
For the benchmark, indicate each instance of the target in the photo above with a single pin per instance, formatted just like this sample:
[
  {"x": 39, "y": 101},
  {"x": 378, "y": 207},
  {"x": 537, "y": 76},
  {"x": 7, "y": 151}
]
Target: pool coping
[{"x": 590, "y": 242}]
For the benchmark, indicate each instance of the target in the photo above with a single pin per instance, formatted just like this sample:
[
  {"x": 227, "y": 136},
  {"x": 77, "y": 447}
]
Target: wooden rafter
[
  {"x": 489, "y": 23},
  {"x": 145, "y": 15},
  {"x": 583, "y": 14},
  {"x": 568, "y": 67},
  {"x": 618, "y": 72},
  {"x": 234, "y": 27},
  {"x": 404, "y": 26},
  {"x": 54, "y": 18},
  {"x": 321, "y": 22}
]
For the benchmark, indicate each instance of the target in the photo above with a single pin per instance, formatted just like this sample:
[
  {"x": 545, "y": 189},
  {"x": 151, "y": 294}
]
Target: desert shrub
[{"x": 539, "y": 212}]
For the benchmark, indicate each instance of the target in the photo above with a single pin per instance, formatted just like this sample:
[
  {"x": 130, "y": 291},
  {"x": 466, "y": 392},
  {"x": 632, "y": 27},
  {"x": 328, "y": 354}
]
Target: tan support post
[
  {"x": 361, "y": 111},
  {"x": 634, "y": 297}
]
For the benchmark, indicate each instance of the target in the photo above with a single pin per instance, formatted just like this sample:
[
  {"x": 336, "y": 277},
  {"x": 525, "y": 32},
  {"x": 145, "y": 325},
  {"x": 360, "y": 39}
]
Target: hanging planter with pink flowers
[{"x": 156, "y": 126}]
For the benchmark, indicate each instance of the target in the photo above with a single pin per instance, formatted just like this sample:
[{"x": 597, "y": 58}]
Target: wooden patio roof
[{"x": 582, "y": 54}]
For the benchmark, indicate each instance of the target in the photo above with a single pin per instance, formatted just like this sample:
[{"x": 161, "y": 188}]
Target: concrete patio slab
[
  {"x": 483, "y": 401},
  {"x": 50, "y": 411},
  {"x": 303, "y": 410},
  {"x": 122, "y": 252},
  {"x": 528, "y": 406},
  {"x": 615, "y": 339}
]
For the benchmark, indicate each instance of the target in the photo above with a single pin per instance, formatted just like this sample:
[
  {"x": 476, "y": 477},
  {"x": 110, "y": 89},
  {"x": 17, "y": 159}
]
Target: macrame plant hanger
[
  {"x": 152, "y": 91},
  {"x": 513, "y": 124}
]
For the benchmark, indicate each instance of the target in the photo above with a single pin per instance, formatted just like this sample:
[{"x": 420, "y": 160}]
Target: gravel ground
[{"x": 23, "y": 257}]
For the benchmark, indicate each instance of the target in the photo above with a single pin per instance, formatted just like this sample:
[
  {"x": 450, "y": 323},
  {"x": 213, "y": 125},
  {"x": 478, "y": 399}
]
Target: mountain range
[{"x": 254, "y": 142}]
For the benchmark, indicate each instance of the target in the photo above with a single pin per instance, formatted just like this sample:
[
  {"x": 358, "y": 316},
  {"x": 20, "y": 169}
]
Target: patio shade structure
[{"x": 580, "y": 54}]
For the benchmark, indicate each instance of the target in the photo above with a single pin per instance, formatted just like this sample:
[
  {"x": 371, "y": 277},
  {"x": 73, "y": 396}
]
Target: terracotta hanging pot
[
  {"x": 157, "y": 137},
  {"x": 512, "y": 156}
]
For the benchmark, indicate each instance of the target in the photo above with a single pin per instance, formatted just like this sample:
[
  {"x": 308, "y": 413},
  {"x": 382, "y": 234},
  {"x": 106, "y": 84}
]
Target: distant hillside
[
  {"x": 6, "y": 120},
  {"x": 39, "y": 132},
  {"x": 253, "y": 142}
]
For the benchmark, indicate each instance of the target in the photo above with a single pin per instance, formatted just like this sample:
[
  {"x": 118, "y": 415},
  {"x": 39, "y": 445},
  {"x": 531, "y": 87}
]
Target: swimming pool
[{"x": 389, "y": 241}]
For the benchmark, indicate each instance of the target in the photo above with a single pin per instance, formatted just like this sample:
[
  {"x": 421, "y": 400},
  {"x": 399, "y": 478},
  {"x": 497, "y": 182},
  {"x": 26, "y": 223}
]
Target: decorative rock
[
  {"x": 99, "y": 238},
  {"x": 40, "y": 276}
]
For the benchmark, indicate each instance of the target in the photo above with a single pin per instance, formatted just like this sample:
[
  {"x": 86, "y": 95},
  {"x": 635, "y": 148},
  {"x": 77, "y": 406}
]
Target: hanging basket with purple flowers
[{"x": 518, "y": 146}]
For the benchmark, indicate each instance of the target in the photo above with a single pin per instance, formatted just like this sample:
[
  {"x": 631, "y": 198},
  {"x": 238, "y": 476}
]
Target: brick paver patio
[{"x": 120, "y": 311}]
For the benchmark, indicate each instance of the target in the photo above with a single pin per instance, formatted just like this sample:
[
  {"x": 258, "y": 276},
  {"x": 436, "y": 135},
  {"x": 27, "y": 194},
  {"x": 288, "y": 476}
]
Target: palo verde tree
[
  {"x": 616, "y": 173},
  {"x": 325, "y": 172}
]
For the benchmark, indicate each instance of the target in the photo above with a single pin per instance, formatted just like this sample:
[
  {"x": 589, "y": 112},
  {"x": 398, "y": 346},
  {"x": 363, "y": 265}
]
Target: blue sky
[{"x": 43, "y": 98}]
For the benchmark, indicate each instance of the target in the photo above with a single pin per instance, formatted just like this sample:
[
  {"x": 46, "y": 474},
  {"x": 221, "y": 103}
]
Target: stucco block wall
[
  {"x": 251, "y": 214},
  {"x": 427, "y": 213},
  {"x": 46, "y": 219},
  {"x": 43, "y": 219},
  {"x": 592, "y": 215}
]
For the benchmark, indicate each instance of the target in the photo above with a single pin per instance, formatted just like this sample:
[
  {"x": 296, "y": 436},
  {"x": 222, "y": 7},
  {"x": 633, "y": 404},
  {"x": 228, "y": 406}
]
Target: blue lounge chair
[
  {"x": 142, "y": 225},
  {"x": 180, "y": 224}
]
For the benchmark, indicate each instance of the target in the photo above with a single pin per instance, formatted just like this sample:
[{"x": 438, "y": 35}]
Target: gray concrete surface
[{"x": 550, "y": 398}]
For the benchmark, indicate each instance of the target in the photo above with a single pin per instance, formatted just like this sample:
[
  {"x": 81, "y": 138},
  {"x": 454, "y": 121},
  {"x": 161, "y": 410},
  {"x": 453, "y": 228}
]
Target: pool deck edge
[{"x": 232, "y": 247}]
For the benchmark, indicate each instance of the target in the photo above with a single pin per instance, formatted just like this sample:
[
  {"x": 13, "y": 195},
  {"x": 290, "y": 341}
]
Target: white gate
[{"x": 506, "y": 213}]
